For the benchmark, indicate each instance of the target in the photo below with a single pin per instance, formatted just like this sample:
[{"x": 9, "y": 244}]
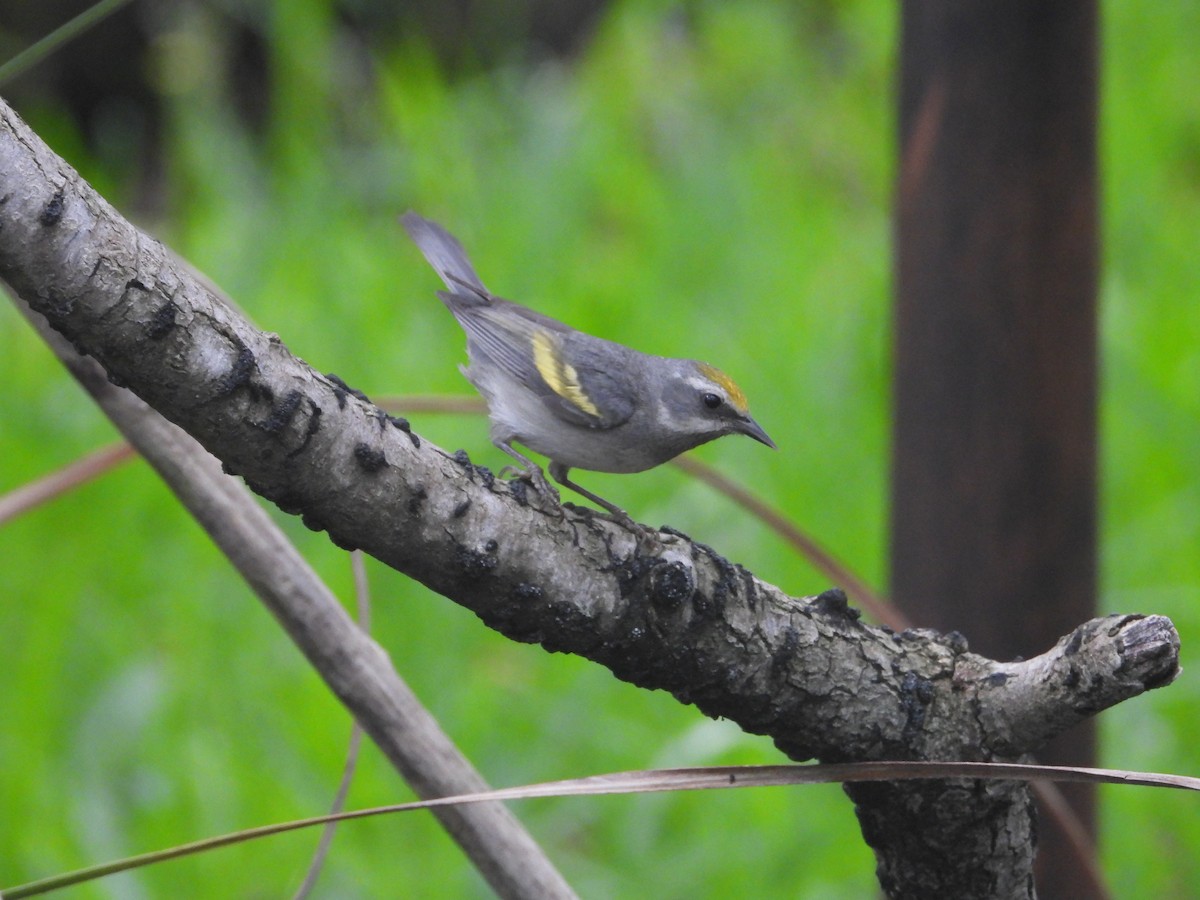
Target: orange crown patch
[{"x": 736, "y": 397}]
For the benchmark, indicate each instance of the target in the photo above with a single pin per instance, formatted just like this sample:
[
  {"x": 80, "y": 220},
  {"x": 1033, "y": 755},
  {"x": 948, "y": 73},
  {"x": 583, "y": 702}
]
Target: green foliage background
[{"x": 709, "y": 180}]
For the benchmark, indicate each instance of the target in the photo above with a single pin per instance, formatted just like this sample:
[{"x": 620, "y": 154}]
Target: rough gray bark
[{"x": 663, "y": 613}]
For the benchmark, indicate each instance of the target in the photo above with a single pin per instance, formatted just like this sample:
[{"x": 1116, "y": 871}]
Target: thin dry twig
[{"x": 649, "y": 781}]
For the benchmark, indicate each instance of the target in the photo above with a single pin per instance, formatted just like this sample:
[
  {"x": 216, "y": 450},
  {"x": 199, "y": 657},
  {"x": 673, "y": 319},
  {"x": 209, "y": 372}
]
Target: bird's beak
[{"x": 750, "y": 428}]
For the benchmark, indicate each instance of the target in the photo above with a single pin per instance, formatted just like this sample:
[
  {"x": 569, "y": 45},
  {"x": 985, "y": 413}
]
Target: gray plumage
[{"x": 579, "y": 400}]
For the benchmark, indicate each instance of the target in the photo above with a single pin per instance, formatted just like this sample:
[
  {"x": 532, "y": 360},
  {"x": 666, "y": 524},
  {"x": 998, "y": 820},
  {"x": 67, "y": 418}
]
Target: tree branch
[{"x": 666, "y": 613}]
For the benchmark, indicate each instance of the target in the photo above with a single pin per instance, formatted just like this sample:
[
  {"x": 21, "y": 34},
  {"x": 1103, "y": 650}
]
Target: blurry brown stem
[
  {"x": 455, "y": 404},
  {"x": 48, "y": 487},
  {"x": 817, "y": 556}
]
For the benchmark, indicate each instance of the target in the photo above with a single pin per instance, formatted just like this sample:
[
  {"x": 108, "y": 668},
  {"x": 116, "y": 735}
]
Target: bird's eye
[{"x": 712, "y": 401}]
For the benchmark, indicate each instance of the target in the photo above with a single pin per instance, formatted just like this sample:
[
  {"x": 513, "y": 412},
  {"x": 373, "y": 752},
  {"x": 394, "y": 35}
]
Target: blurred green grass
[{"x": 711, "y": 181}]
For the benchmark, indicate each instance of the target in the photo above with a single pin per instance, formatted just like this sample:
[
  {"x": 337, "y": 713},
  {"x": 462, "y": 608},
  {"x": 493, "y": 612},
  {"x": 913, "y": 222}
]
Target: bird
[{"x": 581, "y": 401}]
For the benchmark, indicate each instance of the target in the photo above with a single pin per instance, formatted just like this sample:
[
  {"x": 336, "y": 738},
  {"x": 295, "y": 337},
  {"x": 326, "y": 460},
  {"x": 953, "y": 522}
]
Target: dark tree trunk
[{"x": 994, "y": 466}]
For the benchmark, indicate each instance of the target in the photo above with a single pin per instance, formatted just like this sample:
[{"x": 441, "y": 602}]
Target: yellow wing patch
[
  {"x": 736, "y": 397},
  {"x": 559, "y": 374}
]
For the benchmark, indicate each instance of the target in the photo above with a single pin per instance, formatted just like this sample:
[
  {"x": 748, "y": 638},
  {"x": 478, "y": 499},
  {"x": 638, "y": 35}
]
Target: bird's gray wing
[
  {"x": 606, "y": 374},
  {"x": 569, "y": 371}
]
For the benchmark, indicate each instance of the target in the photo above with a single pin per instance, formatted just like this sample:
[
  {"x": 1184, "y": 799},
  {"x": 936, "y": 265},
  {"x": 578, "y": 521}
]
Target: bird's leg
[
  {"x": 559, "y": 473},
  {"x": 529, "y": 472}
]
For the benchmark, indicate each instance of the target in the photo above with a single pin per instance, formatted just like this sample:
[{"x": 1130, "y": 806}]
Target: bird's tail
[{"x": 445, "y": 254}]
